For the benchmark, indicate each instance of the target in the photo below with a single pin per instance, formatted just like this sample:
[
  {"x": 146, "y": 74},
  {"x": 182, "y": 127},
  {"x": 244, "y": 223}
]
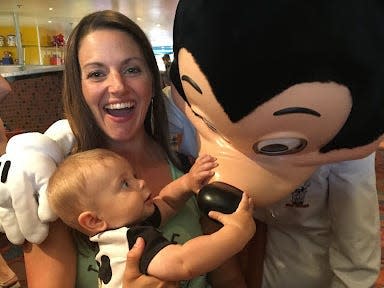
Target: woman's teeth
[{"x": 117, "y": 106}]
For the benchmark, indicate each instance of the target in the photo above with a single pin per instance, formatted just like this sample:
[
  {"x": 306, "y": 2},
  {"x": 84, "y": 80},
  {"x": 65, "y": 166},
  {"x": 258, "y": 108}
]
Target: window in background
[{"x": 159, "y": 52}]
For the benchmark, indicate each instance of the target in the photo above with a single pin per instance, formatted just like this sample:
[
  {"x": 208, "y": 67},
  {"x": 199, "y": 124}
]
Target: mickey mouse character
[{"x": 306, "y": 90}]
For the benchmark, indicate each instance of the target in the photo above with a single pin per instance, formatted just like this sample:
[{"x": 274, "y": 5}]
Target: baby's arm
[
  {"x": 205, "y": 253},
  {"x": 173, "y": 196}
]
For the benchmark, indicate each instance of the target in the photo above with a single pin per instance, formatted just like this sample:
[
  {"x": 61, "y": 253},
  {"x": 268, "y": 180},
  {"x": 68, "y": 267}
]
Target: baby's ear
[{"x": 89, "y": 221}]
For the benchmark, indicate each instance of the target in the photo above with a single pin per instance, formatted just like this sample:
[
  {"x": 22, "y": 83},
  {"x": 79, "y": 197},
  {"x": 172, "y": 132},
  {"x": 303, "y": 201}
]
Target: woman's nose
[{"x": 115, "y": 82}]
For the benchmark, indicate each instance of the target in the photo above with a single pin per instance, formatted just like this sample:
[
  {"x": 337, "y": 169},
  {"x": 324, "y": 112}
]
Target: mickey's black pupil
[{"x": 274, "y": 148}]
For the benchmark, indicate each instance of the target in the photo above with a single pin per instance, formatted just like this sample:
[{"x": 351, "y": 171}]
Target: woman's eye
[
  {"x": 279, "y": 146},
  {"x": 95, "y": 75},
  {"x": 132, "y": 70}
]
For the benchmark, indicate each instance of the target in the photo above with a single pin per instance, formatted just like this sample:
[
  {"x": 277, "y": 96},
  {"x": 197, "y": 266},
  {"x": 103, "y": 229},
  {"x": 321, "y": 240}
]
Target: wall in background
[
  {"x": 35, "y": 102},
  {"x": 30, "y": 44}
]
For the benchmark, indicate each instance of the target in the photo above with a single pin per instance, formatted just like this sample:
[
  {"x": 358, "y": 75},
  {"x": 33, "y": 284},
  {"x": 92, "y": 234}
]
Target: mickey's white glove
[{"x": 30, "y": 160}]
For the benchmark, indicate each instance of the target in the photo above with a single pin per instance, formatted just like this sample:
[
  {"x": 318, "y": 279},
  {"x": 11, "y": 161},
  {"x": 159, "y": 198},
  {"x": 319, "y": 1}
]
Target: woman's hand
[{"x": 133, "y": 277}]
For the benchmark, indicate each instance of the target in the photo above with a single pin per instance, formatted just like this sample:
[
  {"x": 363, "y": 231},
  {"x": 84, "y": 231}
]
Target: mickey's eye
[
  {"x": 210, "y": 126},
  {"x": 279, "y": 146}
]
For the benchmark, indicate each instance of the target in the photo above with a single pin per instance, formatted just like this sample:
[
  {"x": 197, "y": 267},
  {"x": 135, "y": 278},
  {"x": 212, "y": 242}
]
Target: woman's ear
[{"x": 89, "y": 221}]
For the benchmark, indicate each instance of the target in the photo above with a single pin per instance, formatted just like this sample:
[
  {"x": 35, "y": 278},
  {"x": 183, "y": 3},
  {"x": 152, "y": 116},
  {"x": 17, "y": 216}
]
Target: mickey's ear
[{"x": 89, "y": 221}]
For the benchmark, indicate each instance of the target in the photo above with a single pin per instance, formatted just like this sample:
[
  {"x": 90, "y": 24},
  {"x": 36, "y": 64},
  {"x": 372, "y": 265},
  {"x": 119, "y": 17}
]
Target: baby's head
[{"x": 96, "y": 190}]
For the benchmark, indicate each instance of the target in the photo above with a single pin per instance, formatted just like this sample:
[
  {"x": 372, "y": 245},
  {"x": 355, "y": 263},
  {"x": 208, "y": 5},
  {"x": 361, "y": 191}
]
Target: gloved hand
[{"x": 30, "y": 160}]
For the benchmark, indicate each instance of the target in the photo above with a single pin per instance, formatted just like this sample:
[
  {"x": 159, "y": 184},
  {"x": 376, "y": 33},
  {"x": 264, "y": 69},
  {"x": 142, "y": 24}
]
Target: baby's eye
[{"x": 124, "y": 185}]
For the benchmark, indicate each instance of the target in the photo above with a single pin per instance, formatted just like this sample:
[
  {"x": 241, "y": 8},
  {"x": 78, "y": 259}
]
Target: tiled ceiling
[{"x": 154, "y": 16}]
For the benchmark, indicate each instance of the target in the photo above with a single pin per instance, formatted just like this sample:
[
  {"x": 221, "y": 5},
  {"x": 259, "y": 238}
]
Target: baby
[{"x": 97, "y": 193}]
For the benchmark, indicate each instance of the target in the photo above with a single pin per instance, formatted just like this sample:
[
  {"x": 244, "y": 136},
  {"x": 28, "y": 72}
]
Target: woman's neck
[
  {"x": 141, "y": 151},
  {"x": 148, "y": 159}
]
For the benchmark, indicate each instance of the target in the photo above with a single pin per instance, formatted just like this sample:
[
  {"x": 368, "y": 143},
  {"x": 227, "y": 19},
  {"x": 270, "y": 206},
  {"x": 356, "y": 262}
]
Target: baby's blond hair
[{"x": 68, "y": 194}]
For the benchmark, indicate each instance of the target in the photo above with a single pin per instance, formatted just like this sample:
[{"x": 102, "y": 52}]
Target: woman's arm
[
  {"x": 5, "y": 88},
  {"x": 52, "y": 263},
  {"x": 228, "y": 275},
  {"x": 244, "y": 269},
  {"x": 3, "y": 138}
]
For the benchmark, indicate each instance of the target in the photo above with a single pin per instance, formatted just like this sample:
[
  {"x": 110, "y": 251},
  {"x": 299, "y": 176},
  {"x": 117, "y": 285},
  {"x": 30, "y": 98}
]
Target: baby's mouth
[{"x": 149, "y": 199}]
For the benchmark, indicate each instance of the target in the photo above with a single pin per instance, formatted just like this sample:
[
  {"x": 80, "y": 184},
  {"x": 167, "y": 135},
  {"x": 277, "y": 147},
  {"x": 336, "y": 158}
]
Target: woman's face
[{"x": 116, "y": 82}]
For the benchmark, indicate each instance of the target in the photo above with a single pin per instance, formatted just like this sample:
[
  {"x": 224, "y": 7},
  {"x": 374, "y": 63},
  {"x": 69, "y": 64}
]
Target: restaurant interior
[{"x": 33, "y": 35}]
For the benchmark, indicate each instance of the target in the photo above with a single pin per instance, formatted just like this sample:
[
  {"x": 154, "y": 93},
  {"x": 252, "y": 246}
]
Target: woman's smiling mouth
[{"x": 120, "y": 109}]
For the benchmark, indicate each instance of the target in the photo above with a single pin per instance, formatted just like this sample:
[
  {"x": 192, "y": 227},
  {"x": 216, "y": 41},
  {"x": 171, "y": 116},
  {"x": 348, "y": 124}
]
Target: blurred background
[{"x": 34, "y": 32}]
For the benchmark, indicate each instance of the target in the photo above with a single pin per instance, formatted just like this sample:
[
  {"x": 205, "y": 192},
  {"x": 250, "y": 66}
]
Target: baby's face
[{"x": 121, "y": 198}]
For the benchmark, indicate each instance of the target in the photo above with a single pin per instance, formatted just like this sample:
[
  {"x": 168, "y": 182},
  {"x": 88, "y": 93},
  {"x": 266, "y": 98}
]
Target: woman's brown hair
[{"x": 83, "y": 124}]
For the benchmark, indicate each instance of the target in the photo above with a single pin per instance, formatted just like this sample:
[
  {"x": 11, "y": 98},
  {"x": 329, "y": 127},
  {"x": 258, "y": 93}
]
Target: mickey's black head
[{"x": 254, "y": 50}]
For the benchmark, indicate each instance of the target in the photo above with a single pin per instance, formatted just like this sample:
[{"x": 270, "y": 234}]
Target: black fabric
[
  {"x": 153, "y": 220},
  {"x": 185, "y": 162},
  {"x": 154, "y": 242},
  {"x": 105, "y": 270}
]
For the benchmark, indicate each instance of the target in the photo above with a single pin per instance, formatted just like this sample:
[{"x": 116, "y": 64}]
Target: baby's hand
[
  {"x": 241, "y": 220},
  {"x": 201, "y": 172}
]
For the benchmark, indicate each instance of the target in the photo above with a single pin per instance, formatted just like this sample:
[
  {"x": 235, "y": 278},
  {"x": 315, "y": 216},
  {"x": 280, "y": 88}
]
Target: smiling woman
[{"x": 109, "y": 65}]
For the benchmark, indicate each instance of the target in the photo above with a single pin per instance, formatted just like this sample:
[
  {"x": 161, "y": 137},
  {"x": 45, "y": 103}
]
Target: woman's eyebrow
[
  {"x": 294, "y": 110},
  {"x": 92, "y": 65}
]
